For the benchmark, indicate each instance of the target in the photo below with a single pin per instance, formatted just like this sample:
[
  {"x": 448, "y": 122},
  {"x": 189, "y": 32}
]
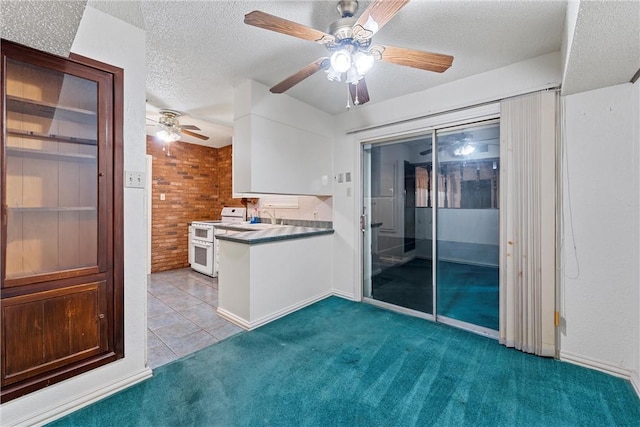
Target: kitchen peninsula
[{"x": 266, "y": 272}]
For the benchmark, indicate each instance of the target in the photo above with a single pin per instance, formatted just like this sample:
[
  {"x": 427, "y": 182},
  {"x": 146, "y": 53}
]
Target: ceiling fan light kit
[
  {"x": 349, "y": 42},
  {"x": 168, "y": 126}
]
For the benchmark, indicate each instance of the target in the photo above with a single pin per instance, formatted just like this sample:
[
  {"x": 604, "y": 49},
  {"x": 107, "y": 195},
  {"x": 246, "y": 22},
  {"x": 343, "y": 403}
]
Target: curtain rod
[{"x": 426, "y": 116}]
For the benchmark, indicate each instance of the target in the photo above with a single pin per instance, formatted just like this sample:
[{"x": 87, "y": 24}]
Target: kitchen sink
[{"x": 258, "y": 226}]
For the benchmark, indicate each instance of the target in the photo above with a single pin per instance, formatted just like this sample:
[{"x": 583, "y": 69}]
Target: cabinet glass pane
[{"x": 51, "y": 173}]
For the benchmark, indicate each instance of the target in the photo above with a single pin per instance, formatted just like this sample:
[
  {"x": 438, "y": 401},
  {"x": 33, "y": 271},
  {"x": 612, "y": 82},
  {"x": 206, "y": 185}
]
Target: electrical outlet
[{"x": 134, "y": 179}]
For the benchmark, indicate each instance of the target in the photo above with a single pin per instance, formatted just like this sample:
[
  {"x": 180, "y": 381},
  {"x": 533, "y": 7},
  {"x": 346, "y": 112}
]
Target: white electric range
[{"x": 202, "y": 240}]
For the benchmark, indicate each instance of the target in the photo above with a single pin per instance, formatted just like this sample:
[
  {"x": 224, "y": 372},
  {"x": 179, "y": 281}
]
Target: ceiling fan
[
  {"x": 349, "y": 41},
  {"x": 170, "y": 129}
]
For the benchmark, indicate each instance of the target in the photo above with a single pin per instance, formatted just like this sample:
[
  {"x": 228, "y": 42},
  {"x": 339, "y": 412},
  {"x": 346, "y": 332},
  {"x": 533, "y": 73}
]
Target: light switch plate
[{"x": 133, "y": 179}]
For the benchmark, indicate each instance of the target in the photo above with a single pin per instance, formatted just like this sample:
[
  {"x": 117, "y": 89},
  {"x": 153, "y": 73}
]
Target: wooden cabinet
[{"x": 61, "y": 233}]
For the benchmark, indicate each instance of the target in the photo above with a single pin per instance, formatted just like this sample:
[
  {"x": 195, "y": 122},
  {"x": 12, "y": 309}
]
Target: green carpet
[{"x": 340, "y": 363}]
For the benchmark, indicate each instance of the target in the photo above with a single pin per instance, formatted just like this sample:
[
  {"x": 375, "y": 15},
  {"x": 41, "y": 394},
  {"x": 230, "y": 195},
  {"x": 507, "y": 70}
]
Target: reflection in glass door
[
  {"x": 402, "y": 181},
  {"x": 467, "y": 218}
]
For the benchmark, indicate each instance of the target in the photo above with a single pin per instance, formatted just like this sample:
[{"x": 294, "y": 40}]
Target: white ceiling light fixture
[
  {"x": 340, "y": 61},
  {"x": 168, "y": 124},
  {"x": 363, "y": 62},
  {"x": 167, "y": 134}
]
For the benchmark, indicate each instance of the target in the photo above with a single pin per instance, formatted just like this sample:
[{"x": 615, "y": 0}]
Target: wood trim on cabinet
[{"x": 118, "y": 195}]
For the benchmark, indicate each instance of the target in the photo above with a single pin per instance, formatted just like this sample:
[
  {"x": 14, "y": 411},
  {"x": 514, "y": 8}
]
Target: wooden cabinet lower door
[{"x": 49, "y": 329}]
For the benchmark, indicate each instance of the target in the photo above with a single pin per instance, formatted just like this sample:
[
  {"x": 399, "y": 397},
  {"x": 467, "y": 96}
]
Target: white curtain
[{"x": 527, "y": 222}]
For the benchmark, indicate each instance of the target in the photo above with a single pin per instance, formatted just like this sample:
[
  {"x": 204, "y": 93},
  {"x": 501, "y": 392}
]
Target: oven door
[
  {"x": 202, "y": 231},
  {"x": 203, "y": 256}
]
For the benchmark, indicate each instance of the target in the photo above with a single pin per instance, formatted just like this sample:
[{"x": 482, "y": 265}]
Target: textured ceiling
[
  {"x": 197, "y": 51},
  {"x": 48, "y": 26},
  {"x": 605, "y": 48}
]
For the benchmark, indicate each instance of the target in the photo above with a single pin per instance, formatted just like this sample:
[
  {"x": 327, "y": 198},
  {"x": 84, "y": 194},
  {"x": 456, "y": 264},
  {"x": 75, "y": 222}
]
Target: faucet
[{"x": 273, "y": 217}]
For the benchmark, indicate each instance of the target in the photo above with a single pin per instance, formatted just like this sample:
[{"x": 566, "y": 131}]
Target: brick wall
[{"x": 196, "y": 183}]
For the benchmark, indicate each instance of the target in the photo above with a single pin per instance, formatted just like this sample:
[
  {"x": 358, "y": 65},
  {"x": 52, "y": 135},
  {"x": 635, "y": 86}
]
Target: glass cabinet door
[{"x": 52, "y": 153}]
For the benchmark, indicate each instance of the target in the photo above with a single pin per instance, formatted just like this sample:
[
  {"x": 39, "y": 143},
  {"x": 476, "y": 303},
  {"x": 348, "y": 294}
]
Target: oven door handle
[{"x": 202, "y": 243}]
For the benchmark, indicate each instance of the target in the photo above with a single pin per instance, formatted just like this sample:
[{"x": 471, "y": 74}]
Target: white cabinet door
[{"x": 272, "y": 157}]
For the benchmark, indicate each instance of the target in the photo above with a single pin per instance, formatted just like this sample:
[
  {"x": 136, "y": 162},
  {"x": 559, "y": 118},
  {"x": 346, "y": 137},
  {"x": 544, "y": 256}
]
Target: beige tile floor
[{"x": 182, "y": 318}]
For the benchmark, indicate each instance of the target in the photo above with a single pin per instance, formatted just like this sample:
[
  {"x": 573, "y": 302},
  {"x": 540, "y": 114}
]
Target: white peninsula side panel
[{"x": 262, "y": 282}]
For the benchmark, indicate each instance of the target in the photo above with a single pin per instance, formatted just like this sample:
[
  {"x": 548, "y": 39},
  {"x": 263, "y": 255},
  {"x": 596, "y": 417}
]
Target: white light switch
[
  {"x": 162, "y": 197},
  {"x": 134, "y": 179}
]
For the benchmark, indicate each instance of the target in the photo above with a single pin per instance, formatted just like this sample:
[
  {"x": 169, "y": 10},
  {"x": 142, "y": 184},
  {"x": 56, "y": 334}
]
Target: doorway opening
[{"x": 431, "y": 234}]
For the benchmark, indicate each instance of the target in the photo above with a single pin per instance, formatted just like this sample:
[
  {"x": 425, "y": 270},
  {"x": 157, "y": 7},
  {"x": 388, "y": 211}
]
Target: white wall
[
  {"x": 104, "y": 38},
  {"x": 307, "y": 208},
  {"x": 527, "y": 76},
  {"x": 635, "y": 376},
  {"x": 635, "y": 113},
  {"x": 601, "y": 192}
]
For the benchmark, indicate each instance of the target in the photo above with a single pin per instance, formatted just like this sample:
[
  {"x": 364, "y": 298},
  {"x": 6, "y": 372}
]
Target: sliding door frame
[{"x": 406, "y": 130}]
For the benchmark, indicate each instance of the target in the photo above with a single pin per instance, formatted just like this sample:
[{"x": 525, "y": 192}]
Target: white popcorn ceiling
[
  {"x": 48, "y": 26},
  {"x": 197, "y": 51},
  {"x": 594, "y": 61}
]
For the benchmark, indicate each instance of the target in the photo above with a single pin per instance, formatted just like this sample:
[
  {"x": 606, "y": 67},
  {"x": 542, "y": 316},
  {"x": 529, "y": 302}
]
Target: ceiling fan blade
[
  {"x": 294, "y": 79},
  {"x": 280, "y": 25},
  {"x": 190, "y": 127},
  {"x": 375, "y": 16},
  {"x": 415, "y": 58},
  {"x": 359, "y": 92},
  {"x": 193, "y": 134}
]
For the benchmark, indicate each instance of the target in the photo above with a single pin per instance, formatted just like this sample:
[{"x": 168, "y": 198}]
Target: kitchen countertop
[{"x": 244, "y": 234}]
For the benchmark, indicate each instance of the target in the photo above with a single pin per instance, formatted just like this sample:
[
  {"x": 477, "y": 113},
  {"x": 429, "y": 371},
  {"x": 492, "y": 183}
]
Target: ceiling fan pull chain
[
  {"x": 348, "y": 98},
  {"x": 355, "y": 101}
]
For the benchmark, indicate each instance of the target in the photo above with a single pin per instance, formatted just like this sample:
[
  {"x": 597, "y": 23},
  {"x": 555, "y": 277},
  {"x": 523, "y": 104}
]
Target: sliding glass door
[
  {"x": 397, "y": 234},
  {"x": 467, "y": 232},
  {"x": 442, "y": 183}
]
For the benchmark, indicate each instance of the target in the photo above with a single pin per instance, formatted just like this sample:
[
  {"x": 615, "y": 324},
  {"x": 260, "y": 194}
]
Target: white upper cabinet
[{"x": 280, "y": 145}]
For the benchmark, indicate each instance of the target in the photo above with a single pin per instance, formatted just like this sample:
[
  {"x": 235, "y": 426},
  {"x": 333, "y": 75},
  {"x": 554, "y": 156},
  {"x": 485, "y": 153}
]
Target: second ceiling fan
[{"x": 349, "y": 41}]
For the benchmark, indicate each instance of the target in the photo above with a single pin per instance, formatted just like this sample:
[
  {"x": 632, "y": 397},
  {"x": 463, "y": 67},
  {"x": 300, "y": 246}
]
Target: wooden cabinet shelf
[
  {"x": 49, "y": 110},
  {"x": 57, "y": 138},
  {"x": 52, "y": 209},
  {"x": 50, "y": 154}
]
